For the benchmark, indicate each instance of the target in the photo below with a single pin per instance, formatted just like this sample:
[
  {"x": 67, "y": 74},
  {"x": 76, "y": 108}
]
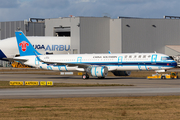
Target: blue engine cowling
[
  {"x": 121, "y": 73},
  {"x": 99, "y": 71}
]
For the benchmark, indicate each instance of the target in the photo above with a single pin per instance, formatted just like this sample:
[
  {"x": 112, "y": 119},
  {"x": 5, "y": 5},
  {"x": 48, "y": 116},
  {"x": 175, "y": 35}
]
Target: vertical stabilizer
[{"x": 24, "y": 46}]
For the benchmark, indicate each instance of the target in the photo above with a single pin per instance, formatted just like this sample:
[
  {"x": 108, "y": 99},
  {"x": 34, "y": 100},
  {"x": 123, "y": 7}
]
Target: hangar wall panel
[
  {"x": 35, "y": 29},
  {"x": 149, "y": 35},
  {"x": 94, "y": 35},
  {"x": 115, "y": 36},
  {"x": 3, "y": 30},
  {"x": 75, "y": 34},
  {"x": 22, "y": 26},
  {"x": 8, "y": 34},
  {"x": 12, "y": 29},
  {"x": 7, "y": 29}
]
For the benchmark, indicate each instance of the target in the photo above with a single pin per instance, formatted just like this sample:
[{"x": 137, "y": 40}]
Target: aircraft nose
[
  {"x": 2, "y": 55},
  {"x": 174, "y": 63}
]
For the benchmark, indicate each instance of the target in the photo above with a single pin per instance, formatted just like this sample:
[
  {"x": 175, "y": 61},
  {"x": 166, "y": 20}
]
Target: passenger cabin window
[
  {"x": 149, "y": 56},
  {"x": 139, "y": 56},
  {"x": 135, "y": 56},
  {"x": 126, "y": 56},
  {"x": 130, "y": 56},
  {"x": 144, "y": 56}
]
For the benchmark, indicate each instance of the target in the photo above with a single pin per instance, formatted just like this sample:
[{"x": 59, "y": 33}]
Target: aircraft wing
[
  {"x": 80, "y": 65},
  {"x": 16, "y": 59}
]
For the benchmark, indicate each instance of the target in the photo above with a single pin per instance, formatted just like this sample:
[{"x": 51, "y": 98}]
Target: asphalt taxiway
[{"x": 142, "y": 87}]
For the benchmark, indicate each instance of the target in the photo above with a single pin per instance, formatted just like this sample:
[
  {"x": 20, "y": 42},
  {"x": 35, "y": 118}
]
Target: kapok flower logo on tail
[{"x": 23, "y": 45}]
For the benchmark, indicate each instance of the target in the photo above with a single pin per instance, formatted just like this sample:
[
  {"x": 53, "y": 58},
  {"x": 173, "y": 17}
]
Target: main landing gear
[{"x": 85, "y": 76}]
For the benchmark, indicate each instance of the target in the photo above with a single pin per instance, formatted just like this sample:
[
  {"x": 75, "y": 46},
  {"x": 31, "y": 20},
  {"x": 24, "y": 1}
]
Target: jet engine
[
  {"x": 100, "y": 71},
  {"x": 121, "y": 73}
]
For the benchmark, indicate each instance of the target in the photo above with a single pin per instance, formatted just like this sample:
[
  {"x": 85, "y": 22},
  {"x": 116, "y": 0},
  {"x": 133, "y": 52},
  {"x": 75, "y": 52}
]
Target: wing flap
[{"x": 80, "y": 65}]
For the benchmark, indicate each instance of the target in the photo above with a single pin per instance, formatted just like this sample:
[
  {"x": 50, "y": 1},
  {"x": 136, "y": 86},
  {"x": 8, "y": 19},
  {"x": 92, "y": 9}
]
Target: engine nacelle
[
  {"x": 121, "y": 73},
  {"x": 99, "y": 71}
]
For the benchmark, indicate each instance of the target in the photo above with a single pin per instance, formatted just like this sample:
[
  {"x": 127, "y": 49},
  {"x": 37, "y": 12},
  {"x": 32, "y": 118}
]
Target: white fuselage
[{"x": 114, "y": 62}]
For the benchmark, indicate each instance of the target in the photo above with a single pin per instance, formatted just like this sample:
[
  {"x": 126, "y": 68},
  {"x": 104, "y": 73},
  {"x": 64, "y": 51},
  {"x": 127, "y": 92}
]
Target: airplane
[
  {"x": 43, "y": 44},
  {"x": 97, "y": 65}
]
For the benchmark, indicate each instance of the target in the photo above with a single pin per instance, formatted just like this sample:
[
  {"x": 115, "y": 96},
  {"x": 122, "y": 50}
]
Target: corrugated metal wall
[
  {"x": 7, "y": 29},
  {"x": 35, "y": 29},
  {"x": 75, "y": 35},
  {"x": 149, "y": 35},
  {"x": 115, "y": 36},
  {"x": 94, "y": 35}
]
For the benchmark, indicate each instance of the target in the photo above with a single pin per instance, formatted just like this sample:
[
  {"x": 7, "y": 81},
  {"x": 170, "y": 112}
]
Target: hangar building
[
  {"x": 101, "y": 34},
  {"x": 122, "y": 35}
]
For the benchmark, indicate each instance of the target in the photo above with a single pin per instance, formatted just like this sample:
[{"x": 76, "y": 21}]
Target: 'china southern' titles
[{"x": 53, "y": 47}]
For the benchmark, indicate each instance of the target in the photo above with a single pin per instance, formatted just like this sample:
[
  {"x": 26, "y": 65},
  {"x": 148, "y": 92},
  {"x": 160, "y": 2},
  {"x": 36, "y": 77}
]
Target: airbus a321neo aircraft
[{"x": 97, "y": 65}]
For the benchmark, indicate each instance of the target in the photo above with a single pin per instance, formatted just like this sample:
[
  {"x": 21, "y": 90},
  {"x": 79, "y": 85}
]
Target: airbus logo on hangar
[{"x": 53, "y": 47}]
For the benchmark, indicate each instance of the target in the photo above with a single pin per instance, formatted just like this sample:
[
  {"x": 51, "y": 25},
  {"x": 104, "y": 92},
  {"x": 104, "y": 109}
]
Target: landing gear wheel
[{"x": 85, "y": 76}]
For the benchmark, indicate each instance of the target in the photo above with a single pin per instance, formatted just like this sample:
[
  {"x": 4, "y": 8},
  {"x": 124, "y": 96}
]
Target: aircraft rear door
[
  {"x": 120, "y": 58},
  {"x": 37, "y": 62}
]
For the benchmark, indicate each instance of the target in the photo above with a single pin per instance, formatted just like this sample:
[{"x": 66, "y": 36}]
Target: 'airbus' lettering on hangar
[{"x": 53, "y": 47}]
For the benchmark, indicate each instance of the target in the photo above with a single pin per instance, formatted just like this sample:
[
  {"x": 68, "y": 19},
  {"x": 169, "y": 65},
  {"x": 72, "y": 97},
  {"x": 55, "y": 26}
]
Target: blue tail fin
[{"x": 25, "y": 47}]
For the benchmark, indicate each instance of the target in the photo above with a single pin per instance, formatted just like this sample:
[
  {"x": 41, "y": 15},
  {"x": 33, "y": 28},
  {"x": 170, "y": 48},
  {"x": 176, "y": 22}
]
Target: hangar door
[{"x": 62, "y": 31}]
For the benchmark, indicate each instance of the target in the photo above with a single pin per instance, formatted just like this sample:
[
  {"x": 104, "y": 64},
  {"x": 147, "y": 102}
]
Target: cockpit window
[{"x": 166, "y": 58}]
